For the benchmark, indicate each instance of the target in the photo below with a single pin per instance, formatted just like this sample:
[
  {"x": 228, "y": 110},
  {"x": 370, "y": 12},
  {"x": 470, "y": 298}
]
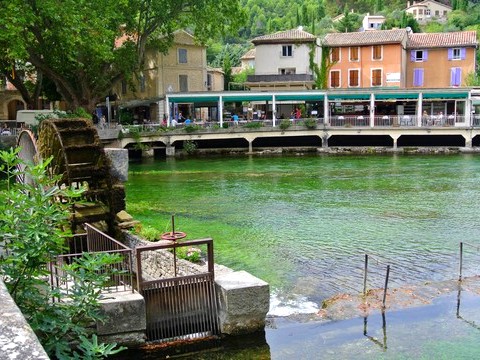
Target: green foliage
[
  {"x": 225, "y": 125},
  {"x": 190, "y": 146},
  {"x": 310, "y": 123},
  {"x": 253, "y": 125},
  {"x": 189, "y": 253},
  {"x": 191, "y": 128},
  {"x": 148, "y": 232},
  {"x": 285, "y": 124},
  {"x": 34, "y": 228},
  {"x": 73, "y": 42}
]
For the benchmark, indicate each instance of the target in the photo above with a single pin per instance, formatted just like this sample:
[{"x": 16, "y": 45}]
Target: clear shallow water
[{"x": 304, "y": 223}]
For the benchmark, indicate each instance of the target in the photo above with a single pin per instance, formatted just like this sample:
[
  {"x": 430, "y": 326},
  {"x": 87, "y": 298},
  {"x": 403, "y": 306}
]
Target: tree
[
  {"x": 227, "y": 71},
  {"x": 77, "y": 45}
]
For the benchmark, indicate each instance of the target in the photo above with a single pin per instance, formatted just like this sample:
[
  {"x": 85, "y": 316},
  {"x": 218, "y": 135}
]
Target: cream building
[
  {"x": 282, "y": 60},
  {"x": 428, "y": 10}
]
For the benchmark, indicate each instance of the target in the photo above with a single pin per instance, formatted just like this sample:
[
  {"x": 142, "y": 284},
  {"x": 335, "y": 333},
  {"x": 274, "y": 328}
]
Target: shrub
[
  {"x": 225, "y": 125},
  {"x": 285, "y": 124},
  {"x": 190, "y": 146},
  {"x": 31, "y": 214},
  {"x": 253, "y": 125},
  {"x": 191, "y": 128},
  {"x": 310, "y": 123}
]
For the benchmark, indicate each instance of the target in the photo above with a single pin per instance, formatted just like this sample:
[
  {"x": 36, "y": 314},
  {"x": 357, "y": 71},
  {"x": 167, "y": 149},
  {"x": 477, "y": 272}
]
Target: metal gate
[{"x": 178, "y": 307}]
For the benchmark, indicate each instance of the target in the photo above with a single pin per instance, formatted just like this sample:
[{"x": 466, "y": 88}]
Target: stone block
[
  {"x": 243, "y": 300},
  {"x": 119, "y": 163},
  {"x": 124, "y": 314}
]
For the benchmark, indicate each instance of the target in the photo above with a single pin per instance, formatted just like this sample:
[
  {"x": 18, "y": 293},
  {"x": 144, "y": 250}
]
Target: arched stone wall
[{"x": 10, "y": 102}]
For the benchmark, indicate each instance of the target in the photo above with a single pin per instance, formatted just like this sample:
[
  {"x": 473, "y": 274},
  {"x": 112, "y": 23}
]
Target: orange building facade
[{"x": 399, "y": 59}]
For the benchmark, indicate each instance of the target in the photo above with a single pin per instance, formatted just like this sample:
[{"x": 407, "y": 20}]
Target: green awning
[
  {"x": 446, "y": 95},
  {"x": 475, "y": 101},
  {"x": 335, "y": 97},
  {"x": 247, "y": 97},
  {"x": 193, "y": 99},
  {"x": 305, "y": 97},
  {"x": 394, "y": 96}
]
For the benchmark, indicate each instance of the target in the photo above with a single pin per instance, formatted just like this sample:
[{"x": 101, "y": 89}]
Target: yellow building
[{"x": 182, "y": 69}]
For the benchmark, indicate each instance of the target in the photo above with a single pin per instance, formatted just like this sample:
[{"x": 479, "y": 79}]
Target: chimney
[{"x": 408, "y": 4}]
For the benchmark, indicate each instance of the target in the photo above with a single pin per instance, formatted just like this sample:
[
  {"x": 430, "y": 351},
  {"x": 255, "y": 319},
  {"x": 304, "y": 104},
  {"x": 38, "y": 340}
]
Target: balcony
[{"x": 280, "y": 78}]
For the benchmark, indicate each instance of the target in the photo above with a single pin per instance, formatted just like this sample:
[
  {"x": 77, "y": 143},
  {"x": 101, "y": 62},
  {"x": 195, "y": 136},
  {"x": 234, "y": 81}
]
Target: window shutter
[
  {"x": 450, "y": 54},
  {"x": 452, "y": 76},
  {"x": 425, "y": 55},
  {"x": 458, "y": 76},
  {"x": 418, "y": 77},
  {"x": 412, "y": 55},
  {"x": 463, "y": 53}
]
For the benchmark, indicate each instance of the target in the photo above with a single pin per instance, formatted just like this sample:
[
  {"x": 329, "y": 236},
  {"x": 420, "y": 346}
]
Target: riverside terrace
[{"x": 373, "y": 117}]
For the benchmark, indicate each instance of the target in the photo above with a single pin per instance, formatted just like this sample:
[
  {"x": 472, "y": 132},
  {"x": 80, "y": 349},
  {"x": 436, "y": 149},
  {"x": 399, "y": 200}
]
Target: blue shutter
[
  {"x": 463, "y": 53},
  {"x": 417, "y": 77},
  {"x": 425, "y": 55},
  {"x": 458, "y": 77},
  {"x": 450, "y": 54},
  {"x": 452, "y": 77},
  {"x": 412, "y": 55}
]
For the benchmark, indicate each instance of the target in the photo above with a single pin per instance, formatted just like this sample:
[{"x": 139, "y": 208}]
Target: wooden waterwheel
[{"x": 79, "y": 159}]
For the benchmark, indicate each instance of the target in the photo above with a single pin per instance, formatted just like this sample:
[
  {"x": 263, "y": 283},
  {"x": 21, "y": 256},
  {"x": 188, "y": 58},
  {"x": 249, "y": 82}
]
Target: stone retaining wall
[{"x": 17, "y": 339}]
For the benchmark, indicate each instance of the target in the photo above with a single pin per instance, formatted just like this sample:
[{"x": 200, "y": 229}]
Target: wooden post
[
  {"x": 365, "y": 276},
  {"x": 386, "y": 286},
  {"x": 461, "y": 261}
]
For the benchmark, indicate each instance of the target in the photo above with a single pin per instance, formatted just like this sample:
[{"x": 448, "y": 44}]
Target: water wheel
[{"x": 79, "y": 159}]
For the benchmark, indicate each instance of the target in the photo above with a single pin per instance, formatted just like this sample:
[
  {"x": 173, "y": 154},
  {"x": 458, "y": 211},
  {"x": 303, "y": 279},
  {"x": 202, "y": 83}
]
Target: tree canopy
[{"x": 75, "y": 43}]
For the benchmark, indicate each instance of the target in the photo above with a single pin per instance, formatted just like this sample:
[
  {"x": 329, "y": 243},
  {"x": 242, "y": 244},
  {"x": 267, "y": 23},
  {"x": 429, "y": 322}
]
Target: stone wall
[{"x": 17, "y": 339}]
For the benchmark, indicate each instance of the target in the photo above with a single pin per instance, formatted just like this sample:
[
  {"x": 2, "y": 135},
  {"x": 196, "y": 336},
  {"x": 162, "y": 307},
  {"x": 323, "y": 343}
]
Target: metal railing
[{"x": 96, "y": 242}]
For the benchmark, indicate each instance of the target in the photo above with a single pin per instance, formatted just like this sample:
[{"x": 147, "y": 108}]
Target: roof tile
[
  {"x": 365, "y": 38},
  {"x": 434, "y": 40},
  {"x": 283, "y": 36}
]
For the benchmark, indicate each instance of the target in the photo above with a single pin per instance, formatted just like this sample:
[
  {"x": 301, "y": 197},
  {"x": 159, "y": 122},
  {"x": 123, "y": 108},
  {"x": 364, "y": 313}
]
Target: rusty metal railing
[
  {"x": 94, "y": 241},
  {"x": 182, "y": 306}
]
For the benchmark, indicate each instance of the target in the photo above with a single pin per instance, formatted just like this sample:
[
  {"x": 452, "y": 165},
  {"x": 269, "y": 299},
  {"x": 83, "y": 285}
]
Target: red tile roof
[
  {"x": 365, "y": 38},
  {"x": 294, "y": 35},
  {"x": 435, "y": 40},
  {"x": 250, "y": 54}
]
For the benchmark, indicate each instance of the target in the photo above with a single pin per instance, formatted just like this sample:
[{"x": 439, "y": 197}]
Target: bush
[
  {"x": 253, "y": 125},
  {"x": 191, "y": 128},
  {"x": 190, "y": 146},
  {"x": 31, "y": 214},
  {"x": 310, "y": 123},
  {"x": 285, "y": 124}
]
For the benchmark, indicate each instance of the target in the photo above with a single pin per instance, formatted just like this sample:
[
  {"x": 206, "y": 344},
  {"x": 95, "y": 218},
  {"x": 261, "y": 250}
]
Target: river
[{"x": 304, "y": 223}]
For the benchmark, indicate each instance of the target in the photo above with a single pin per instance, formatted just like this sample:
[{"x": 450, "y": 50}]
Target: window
[
  {"x": 335, "y": 55},
  {"x": 141, "y": 81},
  {"x": 354, "y": 56},
  {"x": 182, "y": 56},
  {"x": 354, "y": 78},
  {"x": 287, "y": 71},
  {"x": 437, "y": 12},
  {"x": 287, "y": 50},
  {"x": 418, "y": 55},
  {"x": 427, "y": 12},
  {"x": 377, "y": 52},
  {"x": 417, "y": 77},
  {"x": 124, "y": 87},
  {"x": 183, "y": 81},
  {"x": 455, "y": 76},
  {"x": 376, "y": 77},
  {"x": 457, "y": 54},
  {"x": 420, "y": 11},
  {"x": 209, "y": 81},
  {"x": 444, "y": 12},
  {"x": 335, "y": 78},
  {"x": 414, "y": 12}
]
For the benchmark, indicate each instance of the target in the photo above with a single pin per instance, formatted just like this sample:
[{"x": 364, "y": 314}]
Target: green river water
[{"x": 304, "y": 223}]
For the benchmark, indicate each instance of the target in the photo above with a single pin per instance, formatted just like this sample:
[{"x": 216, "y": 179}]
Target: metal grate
[{"x": 182, "y": 307}]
